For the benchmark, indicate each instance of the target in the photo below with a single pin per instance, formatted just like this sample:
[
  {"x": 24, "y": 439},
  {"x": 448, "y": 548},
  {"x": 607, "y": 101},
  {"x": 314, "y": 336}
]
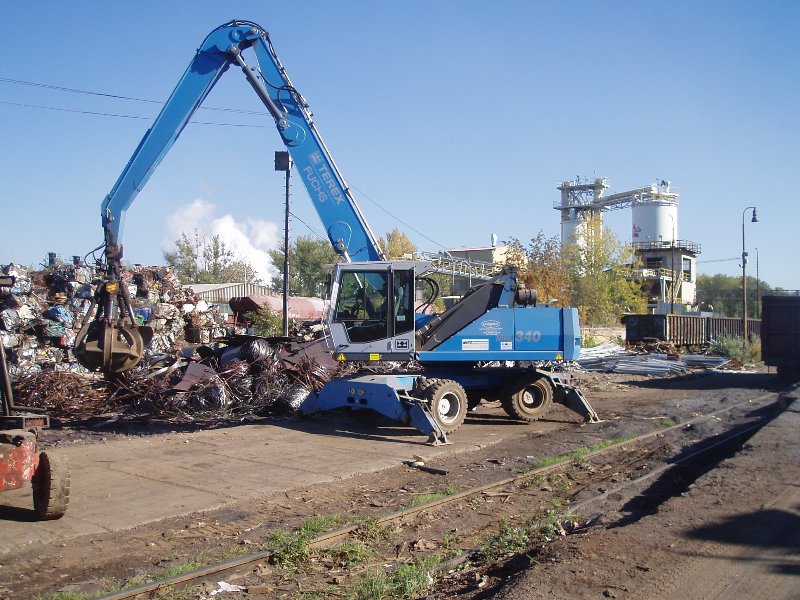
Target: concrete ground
[{"x": 160, "y": 476}]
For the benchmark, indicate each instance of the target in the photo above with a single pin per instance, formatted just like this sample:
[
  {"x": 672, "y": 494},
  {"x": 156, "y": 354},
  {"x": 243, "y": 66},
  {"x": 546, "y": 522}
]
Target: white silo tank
[
  {"x": 654, "y": 220},
  {"x": 573, "y": 225}
]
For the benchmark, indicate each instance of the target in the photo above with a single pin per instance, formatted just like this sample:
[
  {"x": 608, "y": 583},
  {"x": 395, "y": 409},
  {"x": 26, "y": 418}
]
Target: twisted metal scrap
[
  {"x": 260, "y": 382},
  {"x": 65, "y": 395}
]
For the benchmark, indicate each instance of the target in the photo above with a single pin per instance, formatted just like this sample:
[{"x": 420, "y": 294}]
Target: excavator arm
[{"x": 111, "y": 341}]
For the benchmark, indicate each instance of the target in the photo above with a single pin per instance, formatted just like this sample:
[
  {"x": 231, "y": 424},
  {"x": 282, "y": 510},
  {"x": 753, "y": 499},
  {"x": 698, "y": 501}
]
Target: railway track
[{"x": 479, "y": 525}]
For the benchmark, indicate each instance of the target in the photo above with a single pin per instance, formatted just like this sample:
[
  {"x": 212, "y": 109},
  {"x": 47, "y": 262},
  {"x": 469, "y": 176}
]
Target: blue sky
[{"x": 458, "y": 118}]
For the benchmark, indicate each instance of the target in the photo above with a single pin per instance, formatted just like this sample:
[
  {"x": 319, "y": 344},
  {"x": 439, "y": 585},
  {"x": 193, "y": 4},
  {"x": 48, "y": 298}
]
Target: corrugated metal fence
[
  {"x": 685, "y": 330},
  {"x": 221, "y": 293}
]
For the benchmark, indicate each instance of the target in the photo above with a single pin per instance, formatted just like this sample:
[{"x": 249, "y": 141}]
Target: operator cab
[{"x": 373, "y": 309}]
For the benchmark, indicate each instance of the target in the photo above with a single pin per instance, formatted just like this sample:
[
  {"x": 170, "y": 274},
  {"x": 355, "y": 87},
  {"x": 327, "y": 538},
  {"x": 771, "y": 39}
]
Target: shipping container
[{"x": 780, "y": 334}]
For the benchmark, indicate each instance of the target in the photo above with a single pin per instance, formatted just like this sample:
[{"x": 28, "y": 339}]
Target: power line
[
  {"x": 715, "y": 260},
  {"x": 119, "y": 116},
  {"x": 309, "y": 227},
  {"x": 221, "y": 109},
  {"x": 398, "y": 219},
  {"x": 118, "y": 97}
]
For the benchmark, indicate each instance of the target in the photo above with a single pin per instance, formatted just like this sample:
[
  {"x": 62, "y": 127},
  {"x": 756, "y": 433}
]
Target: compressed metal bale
[
  {"x": 10, "y": 319},
  {"x": 210, "y": 394},
  {"x": 292, "y": 398}
]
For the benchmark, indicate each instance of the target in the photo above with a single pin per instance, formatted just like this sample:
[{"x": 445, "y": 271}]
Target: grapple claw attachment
[{"x": 111, "y": 348}]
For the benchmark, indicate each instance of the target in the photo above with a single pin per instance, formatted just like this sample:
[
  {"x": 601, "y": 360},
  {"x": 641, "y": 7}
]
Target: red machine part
[
  {"x": 20, "y": 462},
  {"x": 18, "y": 458}
]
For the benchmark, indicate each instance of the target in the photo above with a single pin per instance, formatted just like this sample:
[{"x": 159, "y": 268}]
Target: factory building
[{"x": 667, "y": 269}]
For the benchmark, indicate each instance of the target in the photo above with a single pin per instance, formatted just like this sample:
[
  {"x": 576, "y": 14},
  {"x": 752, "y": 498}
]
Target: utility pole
[
  {"x": 745, "y": 339},
  {"x": 674, "y": 276},
  {"x": 283, "y": 162},
  {"x": 672, "y": 266}
]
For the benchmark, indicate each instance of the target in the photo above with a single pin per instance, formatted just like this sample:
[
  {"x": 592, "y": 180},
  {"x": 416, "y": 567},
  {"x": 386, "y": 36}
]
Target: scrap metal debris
[
  {"x": 657, "y": 358},
  {"x": 43, "y": 311},
  {"x": 198, "y": 367}
]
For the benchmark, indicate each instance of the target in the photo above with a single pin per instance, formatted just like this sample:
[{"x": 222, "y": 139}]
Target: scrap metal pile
[
  {"x": 236, "y": 377},
  {"x": 239, "y": 376},
  {"x": 228, "y": 375},
  {"x": 44, "y": 310}
]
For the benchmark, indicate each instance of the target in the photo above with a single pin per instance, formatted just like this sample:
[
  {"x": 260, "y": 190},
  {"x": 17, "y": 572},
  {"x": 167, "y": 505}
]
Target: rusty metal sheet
[{"x": 195, "y": 374}]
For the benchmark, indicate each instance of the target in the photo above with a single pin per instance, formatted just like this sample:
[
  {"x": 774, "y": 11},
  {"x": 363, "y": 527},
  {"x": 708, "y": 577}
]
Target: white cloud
[{"x": 250, "y": 238}]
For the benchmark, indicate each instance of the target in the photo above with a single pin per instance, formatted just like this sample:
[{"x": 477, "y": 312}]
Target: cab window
[{"x": 362, "y": 305}]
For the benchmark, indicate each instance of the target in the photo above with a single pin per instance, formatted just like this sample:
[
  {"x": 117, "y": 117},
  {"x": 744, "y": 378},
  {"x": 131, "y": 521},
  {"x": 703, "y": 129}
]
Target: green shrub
[
  {"x": 734, "y": 348},
  {"x": 266, "y": 322}
]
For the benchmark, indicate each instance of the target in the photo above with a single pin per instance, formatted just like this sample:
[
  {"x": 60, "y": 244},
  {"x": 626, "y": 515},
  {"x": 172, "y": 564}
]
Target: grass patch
[
  {"x": 579, "y": 453},
  {"x": 293, "y": 546},
  {"x": 510, "y": 540},
  {"x": 589, "y": 341},
  {"x": 667, "y": 423},
  {"x": 370, "y": 531},
  {"x": 431, "y": 496},
  {"x": 110, "y": 586},
  {"x": 407, "y": 581},
  {"x": 348, "y": 554},
  {"x": 515, "y": 539},
  {"x": 553, "y": 525}
]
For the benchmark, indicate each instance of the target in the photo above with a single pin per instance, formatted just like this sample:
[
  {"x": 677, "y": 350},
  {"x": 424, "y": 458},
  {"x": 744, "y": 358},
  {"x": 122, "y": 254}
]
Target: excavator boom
[{"x": 111, "y": 341}]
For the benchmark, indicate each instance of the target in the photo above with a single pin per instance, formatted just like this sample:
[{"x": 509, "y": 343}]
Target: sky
[{"x": 451, "y": 120}]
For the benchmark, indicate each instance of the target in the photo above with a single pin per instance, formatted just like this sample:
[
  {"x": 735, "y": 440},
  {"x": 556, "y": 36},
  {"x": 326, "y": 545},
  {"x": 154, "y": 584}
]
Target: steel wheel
[
  {"x": 448, "y": 403},
  {"x": 50, "y": 487},
  {"x": 527, "y": 398}
]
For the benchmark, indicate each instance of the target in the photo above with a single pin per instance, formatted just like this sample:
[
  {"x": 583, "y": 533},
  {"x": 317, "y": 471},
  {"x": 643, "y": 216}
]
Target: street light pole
[
  {"x": 744, "y": 275},
  {"x": 283, "y": 162}
]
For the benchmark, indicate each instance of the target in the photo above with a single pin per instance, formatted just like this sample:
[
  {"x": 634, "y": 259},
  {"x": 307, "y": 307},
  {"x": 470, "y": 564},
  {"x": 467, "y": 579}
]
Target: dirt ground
[
  {"x": 733, "y": 532},
  {"x": 737, "y": 522}
]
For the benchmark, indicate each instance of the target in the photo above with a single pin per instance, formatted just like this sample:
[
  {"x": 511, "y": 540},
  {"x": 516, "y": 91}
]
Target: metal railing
[
  {"x": 692, "y": 247},
  {"x": 461, "y": 267}
]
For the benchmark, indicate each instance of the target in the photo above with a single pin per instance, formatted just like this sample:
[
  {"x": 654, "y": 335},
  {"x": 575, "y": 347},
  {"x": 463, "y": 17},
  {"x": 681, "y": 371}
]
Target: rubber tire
[
  {"x": 441, "y": 391},
  {"x": 50, "y": 487},
  {"x": 475, "y": 397},
  {"x": 527, "y": 398},
  {"x": 788, "y": 375},
  {"x": 473, "y": 400}
]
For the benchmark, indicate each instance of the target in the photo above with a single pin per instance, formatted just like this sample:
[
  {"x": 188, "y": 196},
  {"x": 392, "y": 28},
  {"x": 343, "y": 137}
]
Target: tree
[
  {"x": 396, "y": 244},
  {"x": 308, "y": 261},
  {"x": 722, "y": 294},
  {"x": 198, "y": 258},
  {"x": 598, "y": 264},
  {"x": 266, "y": 322},
  {"x": 541, "y": 267}
]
